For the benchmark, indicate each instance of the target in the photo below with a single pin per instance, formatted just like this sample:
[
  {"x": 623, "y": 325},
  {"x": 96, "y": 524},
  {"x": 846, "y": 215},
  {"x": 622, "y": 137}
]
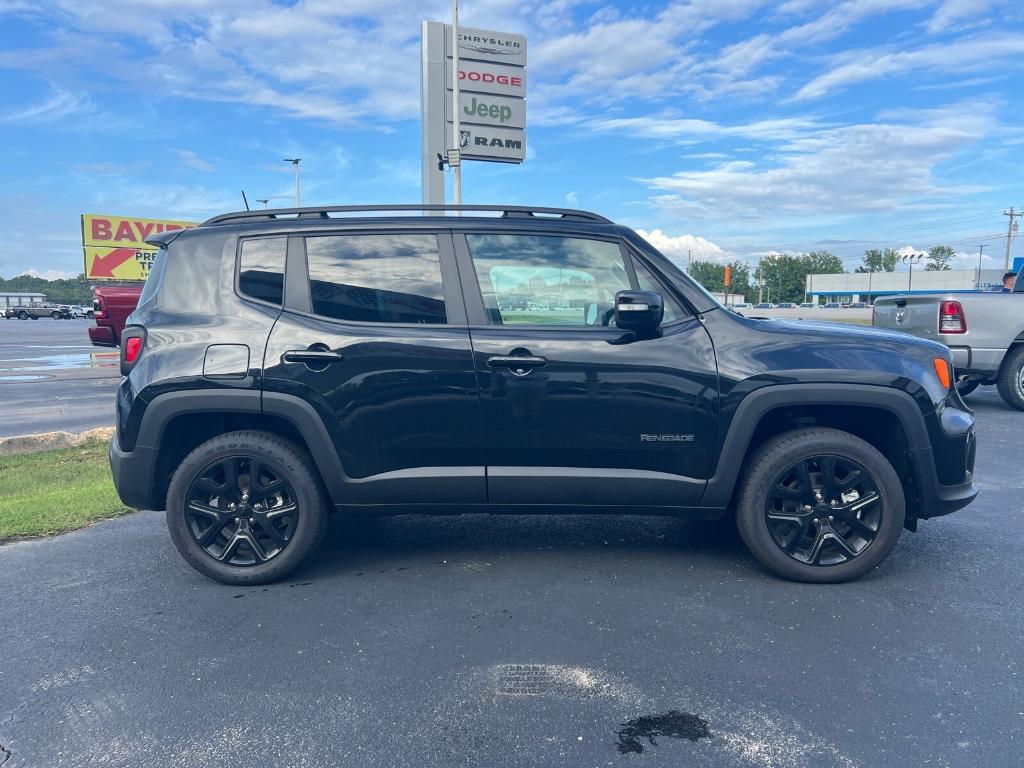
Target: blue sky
[{"x": 731, "y": 128}]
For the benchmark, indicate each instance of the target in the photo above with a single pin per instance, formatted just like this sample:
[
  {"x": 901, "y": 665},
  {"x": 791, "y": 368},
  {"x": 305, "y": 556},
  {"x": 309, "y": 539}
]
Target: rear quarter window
[{"x": 261, "y": 269}]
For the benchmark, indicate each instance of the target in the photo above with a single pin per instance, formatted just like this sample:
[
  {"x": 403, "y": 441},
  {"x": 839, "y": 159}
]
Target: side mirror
[{"x": 639, "y": 311}]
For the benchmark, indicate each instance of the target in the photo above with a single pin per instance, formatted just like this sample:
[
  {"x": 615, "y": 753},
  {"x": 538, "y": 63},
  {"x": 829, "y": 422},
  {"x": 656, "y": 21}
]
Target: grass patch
[{"x": 55, "y": 491}]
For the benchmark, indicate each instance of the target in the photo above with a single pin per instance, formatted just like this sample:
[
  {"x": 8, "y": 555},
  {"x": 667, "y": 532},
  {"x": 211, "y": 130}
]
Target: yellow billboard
[{"x": 115, "y": 246}]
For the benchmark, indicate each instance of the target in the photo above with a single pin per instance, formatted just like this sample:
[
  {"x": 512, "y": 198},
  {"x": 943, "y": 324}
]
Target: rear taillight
[
  {"x": 133, "y": 341},
  {"x": 99, "y": 309},
  {"x": 952, "y": 318},
  {"x": 132, "y": 349}
]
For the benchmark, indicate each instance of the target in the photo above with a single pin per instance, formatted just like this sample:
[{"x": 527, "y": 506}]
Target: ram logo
[{"x": 666, "y": 438}]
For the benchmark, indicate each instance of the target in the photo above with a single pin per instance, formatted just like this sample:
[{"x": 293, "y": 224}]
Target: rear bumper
[
  {"x": 133, "y": 474},
  {"x": 102, "y": 336}
]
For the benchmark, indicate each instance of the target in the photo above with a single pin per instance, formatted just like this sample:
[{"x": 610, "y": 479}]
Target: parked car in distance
[
  {"x": 808, "y": 305},
  {"x": 832, "y": 305},
  {"x": 983, "y": 330},
  {"x": 785, "y": 305},
  {"x": 383, "y": 377},
  {"x": 858, "y": 305},
  {"x": 741, "y": 305},
  {"x": 80, "y": 310},
  {"x": 111, "y": 307},
  {"x": 764, "y": 305},
  {"x": 37, "y": 310}
]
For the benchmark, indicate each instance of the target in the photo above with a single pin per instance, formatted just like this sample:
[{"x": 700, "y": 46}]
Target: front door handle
[
  {"x": 516, "y": 361},
  {"x": 312, "y": 356}
]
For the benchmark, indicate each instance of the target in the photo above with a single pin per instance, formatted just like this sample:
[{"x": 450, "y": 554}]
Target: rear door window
[{"x": 380, "y": 278}]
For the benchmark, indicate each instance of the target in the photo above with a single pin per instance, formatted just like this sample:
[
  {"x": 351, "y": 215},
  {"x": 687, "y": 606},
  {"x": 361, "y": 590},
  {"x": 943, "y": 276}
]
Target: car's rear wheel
[
  {"x": 1011, "y": 378},
  {"x": 23, "y": 315},
  {"x": 246, "y": 508},
  {"x": 820, "y": 505},
  {"x": 55, "y": 315}
]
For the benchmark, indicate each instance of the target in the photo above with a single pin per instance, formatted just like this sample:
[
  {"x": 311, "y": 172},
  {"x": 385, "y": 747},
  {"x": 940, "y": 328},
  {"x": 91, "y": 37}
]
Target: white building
[
  {"x": 20, "y": 299},
  {"x": 866, "y": 286}
]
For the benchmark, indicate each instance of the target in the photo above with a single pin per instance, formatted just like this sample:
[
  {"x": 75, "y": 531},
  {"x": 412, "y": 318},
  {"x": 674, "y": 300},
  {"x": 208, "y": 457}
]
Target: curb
[{"x": 48, "y": 441}]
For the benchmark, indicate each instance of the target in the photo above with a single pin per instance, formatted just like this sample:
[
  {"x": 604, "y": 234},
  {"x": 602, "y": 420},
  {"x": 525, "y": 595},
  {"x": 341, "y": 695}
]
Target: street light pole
[
  {"x": 912, "y": 259},
  {"x": 977, "y": 283},
  {"x": 265, "y": 201},
  {"x": 298, "y": 191}
]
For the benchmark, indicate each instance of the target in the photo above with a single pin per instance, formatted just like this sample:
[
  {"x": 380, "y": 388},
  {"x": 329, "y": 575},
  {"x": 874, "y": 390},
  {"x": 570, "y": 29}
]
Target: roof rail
[{"x": 507, "y": 211}]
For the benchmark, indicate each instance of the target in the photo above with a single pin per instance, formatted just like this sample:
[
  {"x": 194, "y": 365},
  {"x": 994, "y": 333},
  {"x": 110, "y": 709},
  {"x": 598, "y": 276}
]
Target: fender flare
[{"x": 757, "y": 404}]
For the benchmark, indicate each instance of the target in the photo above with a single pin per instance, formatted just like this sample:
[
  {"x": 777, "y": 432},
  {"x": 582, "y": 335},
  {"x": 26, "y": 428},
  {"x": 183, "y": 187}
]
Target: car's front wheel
[
  {"x": 246, "y": 508},
  {"x": 820, "y": 505}
]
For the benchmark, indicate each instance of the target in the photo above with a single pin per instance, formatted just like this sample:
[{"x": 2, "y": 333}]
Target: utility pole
[
  {"x": 977, "y": 283},
  {"x": 265, "y": 201},
  {"x": 1010, "y": 229},
  {"x": 456, "y": 134},
  {"x": 298, "y": 192},
  {"x": 688, "y": 261}
]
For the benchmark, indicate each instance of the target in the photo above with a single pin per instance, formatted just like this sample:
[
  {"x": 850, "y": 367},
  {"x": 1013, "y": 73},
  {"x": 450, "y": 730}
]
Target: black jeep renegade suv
[{"x": 282, "y": 364}]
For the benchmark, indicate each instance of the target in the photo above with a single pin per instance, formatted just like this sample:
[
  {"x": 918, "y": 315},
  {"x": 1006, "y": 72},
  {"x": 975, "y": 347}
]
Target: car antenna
[{"x": 245, "y": 200}]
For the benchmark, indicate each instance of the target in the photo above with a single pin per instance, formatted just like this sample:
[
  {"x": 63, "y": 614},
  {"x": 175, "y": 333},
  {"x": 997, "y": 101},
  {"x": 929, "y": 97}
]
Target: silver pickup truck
[{"x": 984, "y": 331}]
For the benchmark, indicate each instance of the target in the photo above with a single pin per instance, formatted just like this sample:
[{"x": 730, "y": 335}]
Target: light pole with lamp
[
  {"x": 977, "y": 283},
  {"x": 298, "y": 192},
  {"x": 265, "y": 201},
  {"x": 912, "y": 259}
]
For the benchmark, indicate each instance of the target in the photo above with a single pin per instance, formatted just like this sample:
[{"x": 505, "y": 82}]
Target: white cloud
[
  {"x": 48, "y": 274},
  {"x": 194, "y": 161},
  {"x": 59, "y": 105},
  {"x": 950, "y": 12},
  {"x": 963, "y": 55},
  {"x": 841, "y": 170},
  {"x": 680, "y": 248}
]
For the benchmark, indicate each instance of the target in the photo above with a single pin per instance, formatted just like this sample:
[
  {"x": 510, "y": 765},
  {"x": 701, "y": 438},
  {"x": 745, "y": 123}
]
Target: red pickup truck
[{"x": 112, "y": 304}]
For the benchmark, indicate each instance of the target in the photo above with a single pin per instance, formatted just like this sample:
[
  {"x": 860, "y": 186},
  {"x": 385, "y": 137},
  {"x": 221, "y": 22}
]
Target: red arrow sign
[{"x": 103, "y": 266}]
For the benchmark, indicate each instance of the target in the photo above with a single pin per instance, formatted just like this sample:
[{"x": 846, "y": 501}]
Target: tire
[
  {"x": 280, "y": 459},
  {"x": 771, "y": 468},
  {"x": 966, "y": 387},
  {"x": 23, "y": 315},
  {"x": 55, "y": 315},
  {"x": 1011, "y": 378}
]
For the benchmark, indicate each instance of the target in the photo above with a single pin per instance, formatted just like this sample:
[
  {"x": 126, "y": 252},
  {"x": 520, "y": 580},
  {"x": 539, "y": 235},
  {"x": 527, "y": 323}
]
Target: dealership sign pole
[
  {"x": 473, "y": 100},
  {"x": 454, "y": 154}
]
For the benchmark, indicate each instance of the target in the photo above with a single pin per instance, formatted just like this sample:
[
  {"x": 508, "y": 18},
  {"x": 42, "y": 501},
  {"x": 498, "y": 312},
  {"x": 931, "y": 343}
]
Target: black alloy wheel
[
  {"x": 241, "y": 510},
  {"x": 824, "y": 510},
  {"x": 819, "y": 504}
]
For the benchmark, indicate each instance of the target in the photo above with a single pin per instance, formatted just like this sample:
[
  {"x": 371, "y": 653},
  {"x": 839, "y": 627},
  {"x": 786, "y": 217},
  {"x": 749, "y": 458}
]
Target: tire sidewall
[
  {"x": 285, "y": 459},
  {"x": 1008, "y": 378},
  {"x": 791, "y": 447}
]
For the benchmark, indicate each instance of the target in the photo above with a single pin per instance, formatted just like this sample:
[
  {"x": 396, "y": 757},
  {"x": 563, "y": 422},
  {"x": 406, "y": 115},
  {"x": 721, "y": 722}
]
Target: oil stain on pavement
[{"x": 674, "y": 724}]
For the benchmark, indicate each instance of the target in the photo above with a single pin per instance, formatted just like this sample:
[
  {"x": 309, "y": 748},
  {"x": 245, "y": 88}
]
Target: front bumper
[{"x": 133, "y": 474}]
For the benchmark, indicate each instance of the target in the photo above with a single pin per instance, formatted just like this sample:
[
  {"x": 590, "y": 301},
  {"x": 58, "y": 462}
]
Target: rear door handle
[
  {"x": 516, "y": 361},
  {"x": 312, "y": 356}
]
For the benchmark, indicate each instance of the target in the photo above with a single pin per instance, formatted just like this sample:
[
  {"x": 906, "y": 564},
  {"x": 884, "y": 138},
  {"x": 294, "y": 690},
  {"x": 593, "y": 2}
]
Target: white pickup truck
[{"x": 984, "y": 331}]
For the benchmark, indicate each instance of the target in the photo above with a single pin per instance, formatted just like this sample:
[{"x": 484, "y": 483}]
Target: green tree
[
  {"x": 712, "y": 276},
  {"x": 879, "y": 261},
  {"x": 939, "y": 258},
  {"x": 824, "y": 263},
  {"x": 73, "y": 291}
]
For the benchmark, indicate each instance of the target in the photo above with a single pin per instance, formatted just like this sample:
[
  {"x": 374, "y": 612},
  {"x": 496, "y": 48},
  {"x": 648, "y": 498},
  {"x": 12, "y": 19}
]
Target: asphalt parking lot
[
  {"x": 52, "y": 378},
  {"x": 514, "y": 641}
]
